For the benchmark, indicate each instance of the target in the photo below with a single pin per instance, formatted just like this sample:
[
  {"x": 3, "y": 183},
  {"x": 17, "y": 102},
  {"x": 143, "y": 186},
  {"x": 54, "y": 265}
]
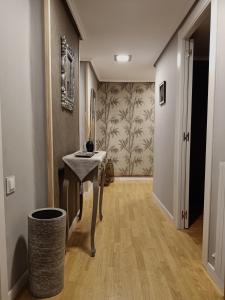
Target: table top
[{"x": 82, "y": 166}]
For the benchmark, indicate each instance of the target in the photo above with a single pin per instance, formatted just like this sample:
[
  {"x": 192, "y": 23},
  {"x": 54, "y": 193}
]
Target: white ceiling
[{"x": 137, "y": 27}]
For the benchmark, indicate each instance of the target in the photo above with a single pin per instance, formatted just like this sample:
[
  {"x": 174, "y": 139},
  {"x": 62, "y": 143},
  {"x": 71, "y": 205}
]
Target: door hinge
[
  {"x": 186, "y": 137},
  {"x": 184, "y": 214}
]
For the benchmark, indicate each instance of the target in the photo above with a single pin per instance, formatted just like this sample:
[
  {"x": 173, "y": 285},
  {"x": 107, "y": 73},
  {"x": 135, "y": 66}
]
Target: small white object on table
[{"x": 87, "y": 169}]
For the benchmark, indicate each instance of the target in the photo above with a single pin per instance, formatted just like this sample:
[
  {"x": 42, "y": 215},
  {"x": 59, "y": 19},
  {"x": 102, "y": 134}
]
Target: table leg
[
  {"x": 66, "y": 199},
  {"x": 94, "y": 214},
  {"x": 81, "y": 201},
  {"x": 101, "y": 194}
]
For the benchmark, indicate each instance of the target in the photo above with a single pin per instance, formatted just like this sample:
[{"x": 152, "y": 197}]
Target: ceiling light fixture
[{"x": 122, "y": 58}]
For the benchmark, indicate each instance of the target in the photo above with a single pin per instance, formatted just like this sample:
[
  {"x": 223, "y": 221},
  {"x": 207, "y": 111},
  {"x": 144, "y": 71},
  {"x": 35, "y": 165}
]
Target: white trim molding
[
  {"x": 216, "y": 280},
  {"x": 162, "y": 206},
  {"x": 210, "y": 118},
  {"x": 133, "y": 178},
  {"x": 184, "y": 33},
  {"x": 93, "y": 66},
  {"x": 48, "y": 96},
  {"x": 220, "y": 229},
  {"x": 18, "y": 286}
]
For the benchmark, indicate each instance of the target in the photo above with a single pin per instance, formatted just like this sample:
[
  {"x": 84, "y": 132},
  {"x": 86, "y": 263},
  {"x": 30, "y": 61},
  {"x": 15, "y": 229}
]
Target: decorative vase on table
[{"x": 90, "y": 146}]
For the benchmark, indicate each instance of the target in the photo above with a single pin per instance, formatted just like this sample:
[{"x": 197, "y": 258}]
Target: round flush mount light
[{"x": 122, "y": 58}]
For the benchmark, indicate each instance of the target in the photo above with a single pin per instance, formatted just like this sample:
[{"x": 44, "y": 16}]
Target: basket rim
[{"x": 30, "y": 216}]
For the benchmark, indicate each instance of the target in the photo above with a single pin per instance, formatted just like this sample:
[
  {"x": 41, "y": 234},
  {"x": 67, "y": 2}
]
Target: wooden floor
[{"x": 140, "y": 255}]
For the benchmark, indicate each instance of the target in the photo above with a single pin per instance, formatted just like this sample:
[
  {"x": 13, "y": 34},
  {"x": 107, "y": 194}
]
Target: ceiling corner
[{"x": 74, "y": 11}]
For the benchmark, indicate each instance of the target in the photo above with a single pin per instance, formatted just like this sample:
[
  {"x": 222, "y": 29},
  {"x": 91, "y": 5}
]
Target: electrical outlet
[{"x": 10, "y": 184}]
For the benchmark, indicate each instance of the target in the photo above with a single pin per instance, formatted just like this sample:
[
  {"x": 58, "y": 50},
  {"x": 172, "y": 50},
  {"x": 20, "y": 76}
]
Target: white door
[{"x": 189, "y": 54}]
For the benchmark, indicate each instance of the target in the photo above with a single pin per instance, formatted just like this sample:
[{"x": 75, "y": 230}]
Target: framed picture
[
  {"x": 67, "y": 75},
  {"x": 162, "y": 93}
]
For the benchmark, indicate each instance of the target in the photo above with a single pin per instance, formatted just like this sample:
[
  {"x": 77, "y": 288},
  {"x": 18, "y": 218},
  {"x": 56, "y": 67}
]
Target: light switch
[{"x": 10, "y": 185}]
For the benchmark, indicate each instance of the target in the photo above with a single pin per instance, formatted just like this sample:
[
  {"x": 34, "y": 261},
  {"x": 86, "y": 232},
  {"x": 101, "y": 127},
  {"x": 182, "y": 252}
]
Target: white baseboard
[
  {"x": 133, "y": 178},
  {"x": 18, "y": 286},
  {"x": 219, "y": 284},
  {"x": 164, "y": 209}
]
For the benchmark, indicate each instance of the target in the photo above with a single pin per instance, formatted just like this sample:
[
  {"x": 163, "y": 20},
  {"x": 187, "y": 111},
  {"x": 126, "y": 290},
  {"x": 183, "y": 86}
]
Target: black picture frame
[{"x": 162, "y": 93}]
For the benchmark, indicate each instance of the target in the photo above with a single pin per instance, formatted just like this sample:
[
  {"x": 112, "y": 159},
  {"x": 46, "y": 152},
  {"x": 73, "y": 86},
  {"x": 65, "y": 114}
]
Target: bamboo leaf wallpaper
[{"x": 125, "y": 126}]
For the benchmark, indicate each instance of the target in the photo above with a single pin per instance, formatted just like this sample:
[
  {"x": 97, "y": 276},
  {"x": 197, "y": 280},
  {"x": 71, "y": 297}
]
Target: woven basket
[
  {"x": 46, "y": 251},
  {"x": 109, "y": 172}
]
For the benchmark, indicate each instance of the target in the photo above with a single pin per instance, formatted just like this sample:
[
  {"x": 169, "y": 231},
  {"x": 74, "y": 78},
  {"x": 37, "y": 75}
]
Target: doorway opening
[{"x": 196, "y": 127}]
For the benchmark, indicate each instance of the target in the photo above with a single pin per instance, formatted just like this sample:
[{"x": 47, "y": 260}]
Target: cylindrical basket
[
  {"x": 46, "y": 251},
  {"x": 109, "y": 172}
]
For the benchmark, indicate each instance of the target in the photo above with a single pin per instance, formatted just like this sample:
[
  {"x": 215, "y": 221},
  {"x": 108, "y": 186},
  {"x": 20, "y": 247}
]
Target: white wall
[
  {"x": 166, "y": 70},
  {"x": 23, "y": 121}
]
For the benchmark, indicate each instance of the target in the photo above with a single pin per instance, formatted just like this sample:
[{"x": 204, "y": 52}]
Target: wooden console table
[{"x": 87, "y": 169}]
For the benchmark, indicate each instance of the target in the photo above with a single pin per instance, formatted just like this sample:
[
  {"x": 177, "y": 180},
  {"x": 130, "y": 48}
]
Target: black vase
[{"x": 90, "y": 146}]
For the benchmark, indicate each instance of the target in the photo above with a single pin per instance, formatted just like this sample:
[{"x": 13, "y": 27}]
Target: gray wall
[
  {"x": 91, "y": 83},
  {"x": 23, "y": 121},
  {"x": 219, "y": 125},
  {"x": 88, "y": 81},
  {"x": 166, "y": 70},
  {"x": 65, "y": 123}
]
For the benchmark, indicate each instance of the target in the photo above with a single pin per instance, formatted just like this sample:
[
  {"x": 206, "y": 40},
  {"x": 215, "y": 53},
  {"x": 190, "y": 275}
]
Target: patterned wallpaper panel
[{"x": 125, "y": 126}]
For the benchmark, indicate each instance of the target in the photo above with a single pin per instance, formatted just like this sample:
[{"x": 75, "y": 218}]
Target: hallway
[{"x": 140, "y": 255}]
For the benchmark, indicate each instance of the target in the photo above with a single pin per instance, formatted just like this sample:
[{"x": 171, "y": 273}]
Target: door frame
[
  {"x": 3, "y": 249},
  {"x": 48, "y": 96},
  {"x": 185, "y": 33},
  {"x": 189, "y": 61}
]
